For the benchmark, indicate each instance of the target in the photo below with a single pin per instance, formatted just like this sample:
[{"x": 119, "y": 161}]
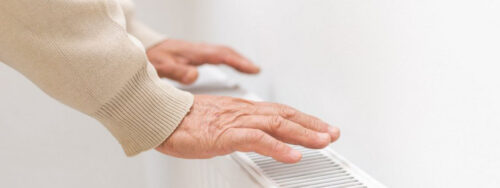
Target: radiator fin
[{"x": 317, "y": 168}]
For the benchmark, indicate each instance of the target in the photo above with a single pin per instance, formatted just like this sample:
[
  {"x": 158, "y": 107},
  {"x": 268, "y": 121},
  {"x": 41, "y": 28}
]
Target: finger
[
  {"x": 237, "y": 61},
  {"x": 299, "y": 117},
  {"x": 225, "y": 55},
  {"x": 181, "y": 60},
  {"x": 286, "y": 130},
  {"x": 253, "y": 140},
  {"x": 169, "y": 68}
]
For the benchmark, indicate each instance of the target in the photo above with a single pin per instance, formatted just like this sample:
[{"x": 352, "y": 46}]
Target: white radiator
[{"x": 318, "y": 168}]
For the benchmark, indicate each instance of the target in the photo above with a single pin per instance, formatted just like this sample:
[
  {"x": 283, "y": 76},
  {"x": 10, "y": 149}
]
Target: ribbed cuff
[
  {"x": 146, "y": 35},
  {"x": 145, "y": 112}
]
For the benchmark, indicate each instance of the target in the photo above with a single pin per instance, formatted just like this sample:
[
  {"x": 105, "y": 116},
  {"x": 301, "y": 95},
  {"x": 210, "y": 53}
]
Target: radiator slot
[{"x": 318, "y": 168}]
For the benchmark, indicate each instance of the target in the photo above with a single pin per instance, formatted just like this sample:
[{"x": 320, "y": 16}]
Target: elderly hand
[
  {"x": 177, "y": 59},
  {"x": 219, "y": 125}
]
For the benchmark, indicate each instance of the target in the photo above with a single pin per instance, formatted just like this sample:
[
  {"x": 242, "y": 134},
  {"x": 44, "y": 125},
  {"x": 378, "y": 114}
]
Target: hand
[
  {"x": 177, "y": 59},
  {"x": 219, "y": 125}
]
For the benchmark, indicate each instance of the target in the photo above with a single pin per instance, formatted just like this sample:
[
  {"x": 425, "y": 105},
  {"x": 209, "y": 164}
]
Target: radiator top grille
[{"x": 318, "y": 168}]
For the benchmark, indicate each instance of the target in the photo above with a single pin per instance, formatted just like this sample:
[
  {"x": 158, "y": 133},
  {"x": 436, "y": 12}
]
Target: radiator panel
[{"x": 318, "y": 168}]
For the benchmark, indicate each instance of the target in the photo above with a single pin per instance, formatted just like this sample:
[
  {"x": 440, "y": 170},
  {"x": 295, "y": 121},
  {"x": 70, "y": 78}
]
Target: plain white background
[{"x": 413, "y": 85}]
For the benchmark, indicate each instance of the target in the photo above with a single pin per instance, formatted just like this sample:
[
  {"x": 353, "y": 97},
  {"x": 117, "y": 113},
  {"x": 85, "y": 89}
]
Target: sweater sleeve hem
[{"x": 145, "y": 112}]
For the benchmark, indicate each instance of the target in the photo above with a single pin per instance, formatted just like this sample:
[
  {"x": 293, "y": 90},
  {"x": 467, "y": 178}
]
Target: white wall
[
  {"x": 46, "y": 144},
  {"x": 413, "y": 84}
]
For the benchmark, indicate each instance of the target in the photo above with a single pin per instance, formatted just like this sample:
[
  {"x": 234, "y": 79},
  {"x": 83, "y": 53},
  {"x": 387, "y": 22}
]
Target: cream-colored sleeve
[
  {"x": 145, "y": 34},
  {"x": 80, "y": 53}
]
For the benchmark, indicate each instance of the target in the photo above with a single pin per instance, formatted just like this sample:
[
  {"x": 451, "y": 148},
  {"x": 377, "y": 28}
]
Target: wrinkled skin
[{"x": 219, "y": 125}]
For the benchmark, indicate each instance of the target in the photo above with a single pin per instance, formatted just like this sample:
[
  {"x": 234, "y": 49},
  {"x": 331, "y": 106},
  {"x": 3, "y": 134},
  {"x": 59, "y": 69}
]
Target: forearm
[{"x": 81, "y": 54}]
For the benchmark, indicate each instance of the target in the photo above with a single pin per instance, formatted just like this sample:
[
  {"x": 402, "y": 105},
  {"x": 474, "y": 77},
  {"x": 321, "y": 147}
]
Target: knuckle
[
  {"x": 308, "y": 134},
  {"x": 255, "y": 136},
  {"x": 223, "y": 49},
  {"x": 287, "y": 112},
  {"x": 278, "y": 147},
  {"x": 275, "y": 123},
  {"x": 251, "y": 108}
]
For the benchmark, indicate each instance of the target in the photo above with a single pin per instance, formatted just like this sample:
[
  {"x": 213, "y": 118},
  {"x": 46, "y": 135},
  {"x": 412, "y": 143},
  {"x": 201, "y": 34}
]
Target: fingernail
[
  {"x": 295, "y": 155},
  {"x": 334, "y": 133}
]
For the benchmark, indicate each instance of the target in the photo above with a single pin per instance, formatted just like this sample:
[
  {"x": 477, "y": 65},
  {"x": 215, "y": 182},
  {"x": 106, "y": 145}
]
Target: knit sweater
[{"x": 88, "y": 55}]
